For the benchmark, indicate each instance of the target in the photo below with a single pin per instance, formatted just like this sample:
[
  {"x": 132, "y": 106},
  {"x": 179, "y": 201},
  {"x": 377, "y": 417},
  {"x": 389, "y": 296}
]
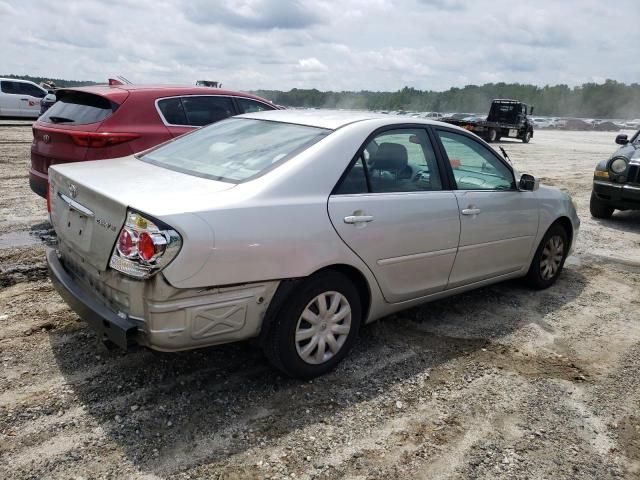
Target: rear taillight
[
  {"x": 103, "y": 139},
  {"x": 144, "y": 246}
]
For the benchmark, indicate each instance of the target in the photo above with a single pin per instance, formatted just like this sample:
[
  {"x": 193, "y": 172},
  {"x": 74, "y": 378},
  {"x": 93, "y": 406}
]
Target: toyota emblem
[
  {"x": 73, "y": 190},
  {"x": 46, "y": 138}
]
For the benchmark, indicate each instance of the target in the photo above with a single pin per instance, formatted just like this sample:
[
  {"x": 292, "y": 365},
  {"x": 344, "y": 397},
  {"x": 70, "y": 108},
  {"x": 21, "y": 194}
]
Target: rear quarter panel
[{"x": 136, "y": 115}]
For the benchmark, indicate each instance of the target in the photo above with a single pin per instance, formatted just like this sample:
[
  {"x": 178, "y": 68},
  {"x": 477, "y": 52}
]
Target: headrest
[{"x": 389, "y": 156}]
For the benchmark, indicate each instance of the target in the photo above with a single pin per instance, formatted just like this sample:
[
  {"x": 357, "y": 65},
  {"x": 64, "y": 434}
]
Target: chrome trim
[
  {"x": 415, "y": 256},
  {"x": 167, "y": 124},
  {"x": 73, "y": 205}
]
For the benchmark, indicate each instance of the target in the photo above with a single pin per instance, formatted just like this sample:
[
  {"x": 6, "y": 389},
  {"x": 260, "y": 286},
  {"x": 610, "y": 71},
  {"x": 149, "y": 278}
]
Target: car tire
[
  {"x": 527, "y": 137},
  {"x": 298, "y": 339},
  {"x": 549, "y": 258},
  {"x": 598, "y": 208},
  {"x": 492, "y": 135}
]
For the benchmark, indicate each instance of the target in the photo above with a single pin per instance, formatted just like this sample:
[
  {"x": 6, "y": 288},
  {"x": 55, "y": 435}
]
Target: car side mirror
[
  {"x": 622, "y": 139},
  {"x": 528, "y": 183}
]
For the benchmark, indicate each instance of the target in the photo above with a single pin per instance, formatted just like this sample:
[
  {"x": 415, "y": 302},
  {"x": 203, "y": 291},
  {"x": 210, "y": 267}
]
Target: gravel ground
[{"x": 498, "y": 383}]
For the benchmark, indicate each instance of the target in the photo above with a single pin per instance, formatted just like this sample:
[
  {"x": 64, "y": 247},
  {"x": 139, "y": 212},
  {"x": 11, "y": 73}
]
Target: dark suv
[
  {"x": 102, "y": 122},
  {"x": 616, "y": 181}
]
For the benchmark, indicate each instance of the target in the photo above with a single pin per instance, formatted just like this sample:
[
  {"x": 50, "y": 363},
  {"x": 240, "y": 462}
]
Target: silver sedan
[{"x": 295, "y": 227}]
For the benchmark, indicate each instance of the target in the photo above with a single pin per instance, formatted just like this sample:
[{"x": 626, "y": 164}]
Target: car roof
[
  {"x": 160, "y": 90},
  {"x": 2, "y": 79},
  {"x": 331, "y": 119}
]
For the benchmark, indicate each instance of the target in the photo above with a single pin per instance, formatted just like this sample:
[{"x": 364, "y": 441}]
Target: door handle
[
  {"x": 471, "y": 211},
  {"x": 24, "y": 99},
  {"x": 358, "y": 219}
]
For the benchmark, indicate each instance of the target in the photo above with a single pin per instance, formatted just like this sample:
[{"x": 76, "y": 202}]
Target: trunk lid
[{"x": 89, "y": 201}]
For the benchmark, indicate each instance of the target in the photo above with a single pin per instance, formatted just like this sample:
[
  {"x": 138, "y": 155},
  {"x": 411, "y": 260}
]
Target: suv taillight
[
  {"x": 98, "y": 140},
  {"x": 144, "y": 246}
]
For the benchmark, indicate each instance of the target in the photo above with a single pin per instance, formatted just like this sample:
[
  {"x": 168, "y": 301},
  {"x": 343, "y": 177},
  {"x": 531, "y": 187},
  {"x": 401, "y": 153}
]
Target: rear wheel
[
  {"x": 549, "y": 258},
  {"x": 527, "y": 137},
  {"x": 316, "y": 328},
  {"x": 598, "y": 208},
  {"x": 492, "y": 135}
]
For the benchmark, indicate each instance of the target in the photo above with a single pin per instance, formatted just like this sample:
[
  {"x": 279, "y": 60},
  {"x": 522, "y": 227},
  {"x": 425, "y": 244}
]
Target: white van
[{"x": 20, "y": 98}]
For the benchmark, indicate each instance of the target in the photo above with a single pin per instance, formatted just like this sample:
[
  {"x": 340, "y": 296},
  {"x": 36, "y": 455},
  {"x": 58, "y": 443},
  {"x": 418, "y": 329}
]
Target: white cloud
[
  {"x": 326, "y": 44},
  {"x": 312, "y": 64}
]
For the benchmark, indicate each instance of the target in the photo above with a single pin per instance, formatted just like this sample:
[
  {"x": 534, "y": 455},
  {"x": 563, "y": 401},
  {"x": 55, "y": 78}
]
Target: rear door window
[
  {"x": 172, "y": 111},
  {"x": 205, "y": 110},
  {"x": 247, "y": 105},
  {"x": 78, "y": 108}
]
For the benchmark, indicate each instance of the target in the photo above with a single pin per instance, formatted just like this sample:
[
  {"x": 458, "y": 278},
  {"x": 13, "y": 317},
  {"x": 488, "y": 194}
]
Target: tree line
[{"x": 610, "y": 99}]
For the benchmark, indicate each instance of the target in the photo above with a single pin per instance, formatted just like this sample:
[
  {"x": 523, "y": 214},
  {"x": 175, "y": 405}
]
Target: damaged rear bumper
[
  {"x": 105, "y": 322},
  {"x": 153, "y": 313}
]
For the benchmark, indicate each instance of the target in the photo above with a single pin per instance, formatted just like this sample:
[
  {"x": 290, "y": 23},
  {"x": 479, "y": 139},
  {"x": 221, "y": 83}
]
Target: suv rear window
[
  {"x": 78, "y": 108},
  {"x": 235, "y": 150}
]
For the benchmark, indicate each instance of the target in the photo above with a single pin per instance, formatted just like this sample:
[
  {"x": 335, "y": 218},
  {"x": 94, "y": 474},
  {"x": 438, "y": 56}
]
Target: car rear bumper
[
  {"x": 105, "y": 322},
  {"x": 39, "y": 182},
  {"x": 156, "y": 315},
  {"x": 618, "y": 196}
]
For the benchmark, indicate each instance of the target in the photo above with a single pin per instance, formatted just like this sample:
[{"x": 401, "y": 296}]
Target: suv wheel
[
  {"x": 549, "y": 258},
  {"x": 492, "y": 135},
  {"x": 598, "y": 208},
  {"x": 316, "y": 328},
  {"x": 527, "y": 137}
]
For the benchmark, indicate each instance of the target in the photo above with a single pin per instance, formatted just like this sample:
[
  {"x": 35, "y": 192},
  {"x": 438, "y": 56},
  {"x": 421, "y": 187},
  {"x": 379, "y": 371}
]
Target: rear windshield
[
  {"x": 78, "y": 108},
  {"x": 236, "y": 149}
]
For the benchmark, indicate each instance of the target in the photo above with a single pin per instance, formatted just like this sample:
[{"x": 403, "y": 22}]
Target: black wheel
[
  {"x": 598, "y": 208},
  {"x": 527, "y": 137},
  {"x": 549, "y": 258},
  {"x": 316, "y": 327},
  {"x": 492, "y": 135}
]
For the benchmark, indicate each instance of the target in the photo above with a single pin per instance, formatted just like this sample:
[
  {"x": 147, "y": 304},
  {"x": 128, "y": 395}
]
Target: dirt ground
[{"x": 498, "y": 383}]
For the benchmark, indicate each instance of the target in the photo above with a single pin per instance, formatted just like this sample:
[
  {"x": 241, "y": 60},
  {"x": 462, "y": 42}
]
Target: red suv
[{"x": 95, "y": 123}]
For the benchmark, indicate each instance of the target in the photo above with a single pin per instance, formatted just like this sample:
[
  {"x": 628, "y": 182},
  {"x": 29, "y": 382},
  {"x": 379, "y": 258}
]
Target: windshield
[{"x": 236, "y": 149}]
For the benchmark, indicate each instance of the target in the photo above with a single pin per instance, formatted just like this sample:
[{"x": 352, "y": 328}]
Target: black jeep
[{"x": 616, "y": 181}]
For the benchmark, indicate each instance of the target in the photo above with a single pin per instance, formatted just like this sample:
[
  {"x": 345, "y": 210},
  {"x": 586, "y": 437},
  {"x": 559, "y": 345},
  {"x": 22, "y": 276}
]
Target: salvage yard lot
[{"x": 501, "y": 382}]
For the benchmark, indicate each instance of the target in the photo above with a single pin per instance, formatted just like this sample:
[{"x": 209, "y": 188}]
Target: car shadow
[
  {"x": 170, "y": 412},
  {"x": 626, "y": 221}
]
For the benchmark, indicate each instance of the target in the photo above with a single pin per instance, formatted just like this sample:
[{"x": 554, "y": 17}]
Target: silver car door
[
  {"x": 391, "y": 209},
  {"x": 498, "y": 222}
]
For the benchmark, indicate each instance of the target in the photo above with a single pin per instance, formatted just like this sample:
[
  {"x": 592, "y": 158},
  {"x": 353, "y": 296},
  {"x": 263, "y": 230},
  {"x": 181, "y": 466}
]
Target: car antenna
[{"x": 504, "y": 154}]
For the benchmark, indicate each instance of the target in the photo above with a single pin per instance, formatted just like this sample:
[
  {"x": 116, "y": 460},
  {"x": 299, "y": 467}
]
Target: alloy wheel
[{"x": 323, "y": 327}]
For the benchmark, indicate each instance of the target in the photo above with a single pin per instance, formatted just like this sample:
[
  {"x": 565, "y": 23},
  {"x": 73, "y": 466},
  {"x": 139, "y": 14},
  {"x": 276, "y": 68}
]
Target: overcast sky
[{"x": 329, "y": 45}]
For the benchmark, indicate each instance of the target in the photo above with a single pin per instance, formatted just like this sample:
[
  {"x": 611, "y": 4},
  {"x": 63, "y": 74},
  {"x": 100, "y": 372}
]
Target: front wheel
[
  {"x": 316, "y": 328},
  {"x": 598, "y": 208},
  {"x": 492, "y": 135},
  {"x": 549, "y": 258},
  {"x": 527, "y": 137}
]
